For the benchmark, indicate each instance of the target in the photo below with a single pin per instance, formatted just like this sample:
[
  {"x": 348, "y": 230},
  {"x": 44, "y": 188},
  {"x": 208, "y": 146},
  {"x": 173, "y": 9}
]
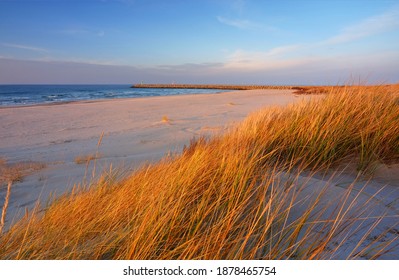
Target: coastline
[
  {"x": 99, "y": 100},
  {"x": 25, "y": 95}
]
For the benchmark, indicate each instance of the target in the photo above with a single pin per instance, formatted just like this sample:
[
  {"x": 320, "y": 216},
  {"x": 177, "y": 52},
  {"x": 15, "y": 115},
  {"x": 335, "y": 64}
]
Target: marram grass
[{"x": 230, "y": 197}]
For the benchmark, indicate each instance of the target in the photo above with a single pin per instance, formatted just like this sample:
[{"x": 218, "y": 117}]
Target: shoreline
[
  {"x": 56, "y": 103},
  {"x": 89, "y": 101},
  {"x": 28, "y": 95}
]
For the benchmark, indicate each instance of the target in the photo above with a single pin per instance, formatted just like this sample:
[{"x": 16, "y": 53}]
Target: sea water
[{"x": 19, "y": 95}]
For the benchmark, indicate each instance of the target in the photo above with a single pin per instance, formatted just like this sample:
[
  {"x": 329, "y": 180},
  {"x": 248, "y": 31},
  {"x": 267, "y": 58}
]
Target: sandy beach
[
  {"x": 142, "y": 130},
  {"x": 134, "y": 131}
]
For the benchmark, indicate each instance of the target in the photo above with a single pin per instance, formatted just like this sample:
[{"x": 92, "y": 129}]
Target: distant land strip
[
  {"x": 296, "y": 89},
  {"x": 228, "y": 87}
]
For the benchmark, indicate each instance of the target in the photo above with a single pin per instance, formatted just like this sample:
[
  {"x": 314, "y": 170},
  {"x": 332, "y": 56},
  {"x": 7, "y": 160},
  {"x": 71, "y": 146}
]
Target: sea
[{"x": 22, "y": 95}]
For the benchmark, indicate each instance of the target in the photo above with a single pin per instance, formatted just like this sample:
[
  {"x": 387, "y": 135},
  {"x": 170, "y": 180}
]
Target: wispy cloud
[
  {"x": 82, "y": 32},
  {"x": 238, "y": 23},
  {"x": 74, "y": 31},
  {"x": 311, "y": 53},
  {"x": 192, "y": 67},
  {"x": 283, "y": 50},
  {"x": 330, "y": 69},
  {"x": 269, "y": 59},
  {"x": 255, "y": 61},
  {"x": 25, "y": 47},
  {"x": 98, "y": 62},
  {"x": 373, "y": 25},
  {"x": 376, "y": 67}
]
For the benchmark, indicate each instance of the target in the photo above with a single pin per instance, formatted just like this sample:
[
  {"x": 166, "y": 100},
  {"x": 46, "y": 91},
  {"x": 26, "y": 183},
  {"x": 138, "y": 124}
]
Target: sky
[{"x": 287, "y": 42}]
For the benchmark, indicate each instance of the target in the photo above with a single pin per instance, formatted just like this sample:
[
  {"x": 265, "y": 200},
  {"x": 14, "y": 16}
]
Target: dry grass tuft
[
  {"x": 165, "y": 119},
  {"x": 16, "y": 171},
  {"x": 236, "y": 196},
  {"x": 86, "y": 159},
  {"x": 10, "y": 173}
]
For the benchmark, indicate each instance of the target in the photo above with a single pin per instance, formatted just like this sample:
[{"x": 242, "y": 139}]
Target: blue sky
[{"x": 193, "y": 41}]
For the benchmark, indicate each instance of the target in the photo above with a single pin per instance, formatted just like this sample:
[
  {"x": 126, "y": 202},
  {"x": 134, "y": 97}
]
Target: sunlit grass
[
  {"x": 165, "y": 119},
  {"x": 235, "y": 196}
]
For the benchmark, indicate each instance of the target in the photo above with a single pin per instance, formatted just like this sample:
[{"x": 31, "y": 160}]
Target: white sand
[
  {"x": 359, "y": 202},
  {"x": 134, "y": 133}
]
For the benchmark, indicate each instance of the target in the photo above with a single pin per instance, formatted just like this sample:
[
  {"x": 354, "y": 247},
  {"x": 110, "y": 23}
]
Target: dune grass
[
  {"x": 353, "y": 121},
  {"x": 235, "y": 196},
  {"x": 17, "y": 171},
  {"x": 165, "y": 119},
  {"x": 85, "y": 159},
  {"x": 10, "y": 173}
]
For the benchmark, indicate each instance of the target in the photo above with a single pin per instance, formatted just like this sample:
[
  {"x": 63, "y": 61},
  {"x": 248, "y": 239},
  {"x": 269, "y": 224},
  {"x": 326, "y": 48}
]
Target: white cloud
[
  {"x": 238, "y": 6},
  {"x": 255, "y": 61},
  {"x": 238, "y": 23},
  {"x": 288, "y": 56},
  {"x": 273, "y": 58},
  {"x": 97, "y": 62},
  {"x": 24, "y": 47},
  {"x": 374, "y": 25},
  {"x": 283, "y": 50},
  {"x": 313, "y": 69},
  {"x": 194, "y": 67}
]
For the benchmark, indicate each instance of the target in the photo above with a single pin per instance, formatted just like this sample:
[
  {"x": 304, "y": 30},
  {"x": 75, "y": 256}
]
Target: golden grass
[
  {"x": 10, "y": 173},
  {"x": 355, "y": 121},
  {"x": 235, "y": 196},
  {"x": 85, "y": 159},
  {"x": 165, "y": 119},
  {"x": 5, "y": 207}
]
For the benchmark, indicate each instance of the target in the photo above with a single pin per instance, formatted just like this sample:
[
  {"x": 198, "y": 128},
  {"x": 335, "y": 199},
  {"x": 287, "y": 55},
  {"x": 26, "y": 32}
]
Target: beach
[
  {"x": 62, "y": 146},
  {"x": 216, "y": 131},
  {"x": 134, "y": 131}
]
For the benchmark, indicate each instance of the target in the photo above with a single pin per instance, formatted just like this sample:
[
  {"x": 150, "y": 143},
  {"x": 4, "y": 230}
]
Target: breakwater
[{"x": 208, "y": 86}]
